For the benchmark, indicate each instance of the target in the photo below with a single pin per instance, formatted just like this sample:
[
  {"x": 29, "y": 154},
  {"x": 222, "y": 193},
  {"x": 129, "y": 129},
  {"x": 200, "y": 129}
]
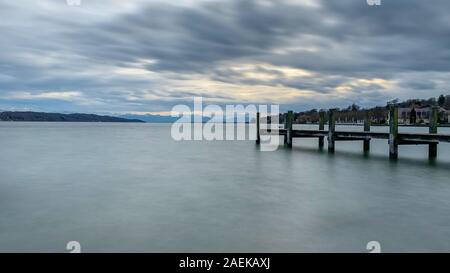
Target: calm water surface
[{"x": 130, "y": 187}]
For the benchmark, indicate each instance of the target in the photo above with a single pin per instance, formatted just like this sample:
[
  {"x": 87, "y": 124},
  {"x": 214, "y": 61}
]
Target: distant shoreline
[
  {"x": 12, "y": 116},
  {"x": 60, "y": 121}
]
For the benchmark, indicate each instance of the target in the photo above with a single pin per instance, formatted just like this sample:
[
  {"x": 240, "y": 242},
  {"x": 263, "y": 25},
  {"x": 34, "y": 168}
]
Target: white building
[{"x": 422, "y": 114}]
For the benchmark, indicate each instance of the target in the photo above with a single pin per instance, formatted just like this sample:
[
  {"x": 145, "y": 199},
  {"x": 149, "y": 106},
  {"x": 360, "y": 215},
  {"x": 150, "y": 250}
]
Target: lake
[{"x": 129, "y": 187}]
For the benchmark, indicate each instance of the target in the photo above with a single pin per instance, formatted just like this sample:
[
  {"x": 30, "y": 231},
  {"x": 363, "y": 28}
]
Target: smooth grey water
[{"x": 130, "y": 187}]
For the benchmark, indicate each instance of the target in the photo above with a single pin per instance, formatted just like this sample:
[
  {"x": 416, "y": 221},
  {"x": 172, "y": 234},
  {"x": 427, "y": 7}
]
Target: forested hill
[{"x": 38, "y": 116}]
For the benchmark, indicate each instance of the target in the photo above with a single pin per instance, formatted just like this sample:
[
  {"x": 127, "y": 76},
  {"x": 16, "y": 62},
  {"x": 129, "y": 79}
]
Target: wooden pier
[{"x": 432, "y": 139}]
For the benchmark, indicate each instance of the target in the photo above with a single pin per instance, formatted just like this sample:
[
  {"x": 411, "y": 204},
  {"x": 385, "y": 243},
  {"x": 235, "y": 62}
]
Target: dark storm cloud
[{"x": 350, "y": 35}]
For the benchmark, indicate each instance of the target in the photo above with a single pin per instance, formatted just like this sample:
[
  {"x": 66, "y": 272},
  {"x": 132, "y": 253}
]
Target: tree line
[{"x": 379, "y": 114}]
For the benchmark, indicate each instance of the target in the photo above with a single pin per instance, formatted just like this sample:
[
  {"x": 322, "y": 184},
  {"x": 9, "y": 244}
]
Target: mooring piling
[
  {"x": 433, "y": 129},
  {"x": 321, "y": 128},
  {"x": 285, "y": 141},
  {"x": 331, "y": 130},
  {"x": 393, "y": 132},
  {"x": 258, "y": 134},
  {"x": 289, "y": 121},
  {"x": 367, "y": 124}
]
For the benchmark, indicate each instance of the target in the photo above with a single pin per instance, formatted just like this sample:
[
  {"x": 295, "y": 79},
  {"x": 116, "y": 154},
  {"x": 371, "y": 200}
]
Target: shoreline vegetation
[
  {"x": 414, "y": 113},
  {"x": 57, "y": 117},
  {"x": 351, "y": 116}
]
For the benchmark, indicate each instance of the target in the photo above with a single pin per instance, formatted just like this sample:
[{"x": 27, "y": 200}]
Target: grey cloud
[
  {"x": 402, "y": 40},
  {"x": 419, "y": 84}
]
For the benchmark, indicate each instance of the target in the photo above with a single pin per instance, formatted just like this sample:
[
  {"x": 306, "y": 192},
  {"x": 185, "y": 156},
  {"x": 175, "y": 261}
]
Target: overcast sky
[{"x": 144, "y": 56}]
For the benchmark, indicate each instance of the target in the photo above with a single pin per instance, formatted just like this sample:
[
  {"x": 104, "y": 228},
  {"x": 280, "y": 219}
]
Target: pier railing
[{"x": 432, "y": 139}]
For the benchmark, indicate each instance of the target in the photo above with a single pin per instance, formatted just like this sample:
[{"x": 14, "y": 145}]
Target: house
[{"x": 413, "y": 115}]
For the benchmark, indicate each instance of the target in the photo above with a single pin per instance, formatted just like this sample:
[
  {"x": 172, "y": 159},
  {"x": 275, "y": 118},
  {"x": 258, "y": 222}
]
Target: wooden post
[
  {"x": 393, "y": 132},
  {"x": 321, "y": 128},
  {"x": 331, "y": 129},
  {"x": 290, "y": 119},
  {"x": 285, "y": 116},
  {"x": 258, "y": 134},
  {"x": 367, "y": 123},
  {"x": 432, "y": 148}
]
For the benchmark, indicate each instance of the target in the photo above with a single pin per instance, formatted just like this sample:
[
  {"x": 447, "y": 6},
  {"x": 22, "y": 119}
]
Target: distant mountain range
[
  {"x": 38, "y": 116},
  {"x": 78, "y": 117},
  {"x": 170, "y": 119},
  {"x": 151, "y": 118}
]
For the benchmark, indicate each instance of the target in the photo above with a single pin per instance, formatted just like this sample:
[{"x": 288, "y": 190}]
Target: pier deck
[
  {"x": 355, "y": 134},
  {"x": 393, "y": 136}
]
